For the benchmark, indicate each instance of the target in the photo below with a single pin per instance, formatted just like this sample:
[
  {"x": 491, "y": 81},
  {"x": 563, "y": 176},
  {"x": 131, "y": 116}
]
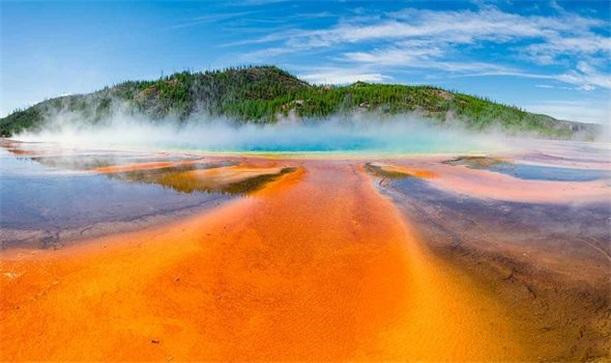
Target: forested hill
[{"x": 265, "y": 93}]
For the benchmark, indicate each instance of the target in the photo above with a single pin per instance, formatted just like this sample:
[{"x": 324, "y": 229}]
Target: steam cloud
[{"x": 353, "y": 133}]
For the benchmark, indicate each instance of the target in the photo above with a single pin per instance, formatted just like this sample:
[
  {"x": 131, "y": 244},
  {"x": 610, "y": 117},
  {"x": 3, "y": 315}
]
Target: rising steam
[{"x": 354, "y": 133}]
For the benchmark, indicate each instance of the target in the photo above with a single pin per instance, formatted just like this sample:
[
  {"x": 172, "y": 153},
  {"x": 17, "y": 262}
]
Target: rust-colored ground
[{"x": 315, "y": 266}]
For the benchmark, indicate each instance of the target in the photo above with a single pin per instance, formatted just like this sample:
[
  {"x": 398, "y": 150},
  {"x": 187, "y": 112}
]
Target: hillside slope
[{"x": 263, "y": 94}]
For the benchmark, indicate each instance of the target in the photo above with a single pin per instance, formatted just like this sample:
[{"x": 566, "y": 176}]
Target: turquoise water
[
  {"x": 399, "y": 136},
  {"x": 339, "y": 143},
  {"x": 329, "y": 139}
]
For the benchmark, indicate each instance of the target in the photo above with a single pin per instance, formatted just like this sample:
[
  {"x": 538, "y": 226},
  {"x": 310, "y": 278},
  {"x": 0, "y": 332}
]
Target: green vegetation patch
[{"x": 263, "y": 94}]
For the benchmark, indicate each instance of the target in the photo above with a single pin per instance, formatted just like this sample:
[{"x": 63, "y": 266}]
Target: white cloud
[
  {"x": 573, "y": 110},
  {"x": 420, "y": 58},
  {"x": 450, "y": 26},
  {"x": 394, "y": 56},
  {"x": 584, "y": 79},
  {"x": 556, "y": 47},
  {"x": 440, "y": 40},
  {"x": 203, "y": 19},
  {"x": 549, "y": 86},
  {"x": 342, "y": 76},
  {"x": 443, "y": 26}
]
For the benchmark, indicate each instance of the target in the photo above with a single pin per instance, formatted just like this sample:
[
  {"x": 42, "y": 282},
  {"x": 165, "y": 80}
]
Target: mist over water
[{"x": 406, "y": 134}]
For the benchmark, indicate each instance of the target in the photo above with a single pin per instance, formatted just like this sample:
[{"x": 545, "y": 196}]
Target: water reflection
[
  {"x": 530, "y": 171},
  {"x": 225, "y": 178},
  {"x": 539, "y": 172},
  {"x": 40, "y": 205},
  {"x": 50, "y": 195}
]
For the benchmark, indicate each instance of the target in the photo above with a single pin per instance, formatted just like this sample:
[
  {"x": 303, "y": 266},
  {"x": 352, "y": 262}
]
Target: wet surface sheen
[
  {"x": 35, "y": 197},
  {"x": 540, "y": 172}
]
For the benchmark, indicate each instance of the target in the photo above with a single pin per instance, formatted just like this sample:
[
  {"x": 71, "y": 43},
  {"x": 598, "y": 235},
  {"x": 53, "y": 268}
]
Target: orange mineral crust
[{"x": 317, "y": 265}]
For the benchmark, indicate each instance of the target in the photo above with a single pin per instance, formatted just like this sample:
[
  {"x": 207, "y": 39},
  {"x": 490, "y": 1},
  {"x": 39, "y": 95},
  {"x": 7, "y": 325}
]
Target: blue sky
[{"x": 546, "y": 56}]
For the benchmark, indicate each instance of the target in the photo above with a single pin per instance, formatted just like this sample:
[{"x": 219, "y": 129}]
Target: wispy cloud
[
  {"x": 204, "y": 19},
  {"x": 439, "y": 26},
  {"x": 549, "y": 86},
  {"x": 421, "y": 57},
  {"x": 585, "y": 78},
  {"x": 583, "y": 111},
  {"x": 558, "y": 47},
  {"x": 342, "y": 76},
  {"x": 453, "y": 41}
]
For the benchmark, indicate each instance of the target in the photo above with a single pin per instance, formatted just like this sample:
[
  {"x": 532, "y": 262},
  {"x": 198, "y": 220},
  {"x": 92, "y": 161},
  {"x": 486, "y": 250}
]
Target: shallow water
[
  {"x": 517, "y": 223},
  {"x": 34, "y": 196},
  {"x": 539, "y": 172}
]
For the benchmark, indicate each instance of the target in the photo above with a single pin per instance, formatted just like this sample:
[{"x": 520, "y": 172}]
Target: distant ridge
[{"x": 262, "y": 94}]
